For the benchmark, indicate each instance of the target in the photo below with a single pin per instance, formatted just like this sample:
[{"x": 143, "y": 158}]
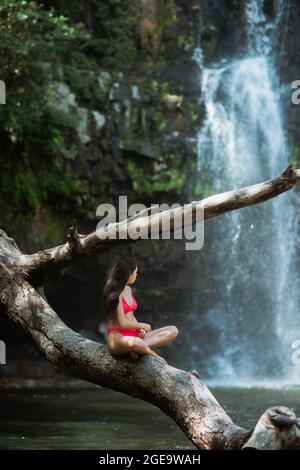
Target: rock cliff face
[{"x": 138, "y": 109}]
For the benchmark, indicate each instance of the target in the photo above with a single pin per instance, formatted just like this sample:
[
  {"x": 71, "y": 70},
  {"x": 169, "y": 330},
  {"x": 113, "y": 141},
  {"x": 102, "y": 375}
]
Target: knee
[
  {"x": 135, "y": 343},
  {"x": 173, "y": 331},
  {"x": 132, "y": 340}
]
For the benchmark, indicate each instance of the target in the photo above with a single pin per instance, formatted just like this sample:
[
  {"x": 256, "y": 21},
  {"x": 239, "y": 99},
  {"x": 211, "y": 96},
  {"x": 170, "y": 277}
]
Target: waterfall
[{"x": 246, "y": 329}]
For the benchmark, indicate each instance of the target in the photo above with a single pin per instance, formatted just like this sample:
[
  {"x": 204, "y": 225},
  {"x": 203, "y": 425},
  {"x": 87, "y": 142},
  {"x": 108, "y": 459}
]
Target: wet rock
[
  {"x": 99, "y": 120},
  {"x": 173, "y": 101},
  {"x": 104, "y": 80},
  {"x": 82, "y": 128}
]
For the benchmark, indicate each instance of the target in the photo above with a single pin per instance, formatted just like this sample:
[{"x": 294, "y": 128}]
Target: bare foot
[
  {"x": 162, "y": 359},
  {"x": 159, "y": 358}
]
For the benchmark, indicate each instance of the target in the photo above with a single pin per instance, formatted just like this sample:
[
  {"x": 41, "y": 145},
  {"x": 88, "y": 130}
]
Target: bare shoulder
[{"x": 127, "y": 289}]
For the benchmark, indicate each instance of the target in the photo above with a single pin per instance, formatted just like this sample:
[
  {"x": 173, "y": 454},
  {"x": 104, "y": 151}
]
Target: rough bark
[{"x": 179, "y": 394}]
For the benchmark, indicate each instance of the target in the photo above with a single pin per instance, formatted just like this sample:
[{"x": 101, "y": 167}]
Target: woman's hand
[
  {"x": 145, "y": 326},
  {"x": 141, "y": 333}
]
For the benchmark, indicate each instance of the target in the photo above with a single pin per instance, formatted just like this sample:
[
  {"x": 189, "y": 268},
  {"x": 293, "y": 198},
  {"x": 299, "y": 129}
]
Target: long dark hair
[{"x": 117, "y": 277}]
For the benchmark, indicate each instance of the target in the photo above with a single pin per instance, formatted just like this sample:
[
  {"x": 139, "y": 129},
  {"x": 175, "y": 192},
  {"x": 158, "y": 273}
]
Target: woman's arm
[
  {"x": 129, "y": 324},
  {"x": 141, "y": 331}
]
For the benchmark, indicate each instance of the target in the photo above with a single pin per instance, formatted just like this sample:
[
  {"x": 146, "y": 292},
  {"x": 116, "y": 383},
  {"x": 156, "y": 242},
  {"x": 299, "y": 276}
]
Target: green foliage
[
  {"x": 34, "y": 136},
  {"x": 166, "y": 21},
  {"x": 115, "y": 41},
  {"x": 43, "y": 41},
  {"x": 145, "y": 184},
  {"x": 30, "y": 34}
]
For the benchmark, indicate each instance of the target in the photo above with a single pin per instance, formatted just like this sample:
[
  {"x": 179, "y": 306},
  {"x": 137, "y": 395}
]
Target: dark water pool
[{"x": 102, "y": 419}]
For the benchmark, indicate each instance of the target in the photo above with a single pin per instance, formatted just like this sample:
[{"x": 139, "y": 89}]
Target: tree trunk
[{"x": 179, "y": 394}]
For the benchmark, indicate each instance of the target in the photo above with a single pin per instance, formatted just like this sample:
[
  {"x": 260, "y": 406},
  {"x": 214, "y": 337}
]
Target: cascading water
[{"x": 247, "y": 329}]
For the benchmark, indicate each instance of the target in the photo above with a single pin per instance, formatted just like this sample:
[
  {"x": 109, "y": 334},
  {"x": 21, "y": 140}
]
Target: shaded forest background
[{"x": 103, "y": 99}]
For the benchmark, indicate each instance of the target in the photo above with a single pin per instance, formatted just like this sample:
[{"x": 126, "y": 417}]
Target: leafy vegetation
[
  {"x": 33, "y": 134},
  {"x": 55, "y": 40}
]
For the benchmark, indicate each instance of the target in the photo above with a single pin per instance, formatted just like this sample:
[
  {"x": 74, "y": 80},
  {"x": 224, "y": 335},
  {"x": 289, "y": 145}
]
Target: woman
[{"x": 124, "y": 333}]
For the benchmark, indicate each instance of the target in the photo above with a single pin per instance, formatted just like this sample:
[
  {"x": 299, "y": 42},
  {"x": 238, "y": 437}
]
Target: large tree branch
[
  {"x": 179, "y": 394},
  {"x": 36, "y": 266}
]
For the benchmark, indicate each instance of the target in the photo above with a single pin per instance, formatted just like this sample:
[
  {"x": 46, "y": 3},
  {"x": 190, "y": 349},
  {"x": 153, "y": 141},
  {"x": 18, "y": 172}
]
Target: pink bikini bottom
[{"x": 123, "y": 331}]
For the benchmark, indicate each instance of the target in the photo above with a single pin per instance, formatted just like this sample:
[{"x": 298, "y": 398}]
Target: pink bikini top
[{"x": 129, "y": 308}]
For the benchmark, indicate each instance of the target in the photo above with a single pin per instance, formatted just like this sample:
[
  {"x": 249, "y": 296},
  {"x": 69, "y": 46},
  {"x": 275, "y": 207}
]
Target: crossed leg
[
  {"x": 119, "y": 344},
  {"x": 160, "y": 336},
  {"x": 157, "y": 338}
]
